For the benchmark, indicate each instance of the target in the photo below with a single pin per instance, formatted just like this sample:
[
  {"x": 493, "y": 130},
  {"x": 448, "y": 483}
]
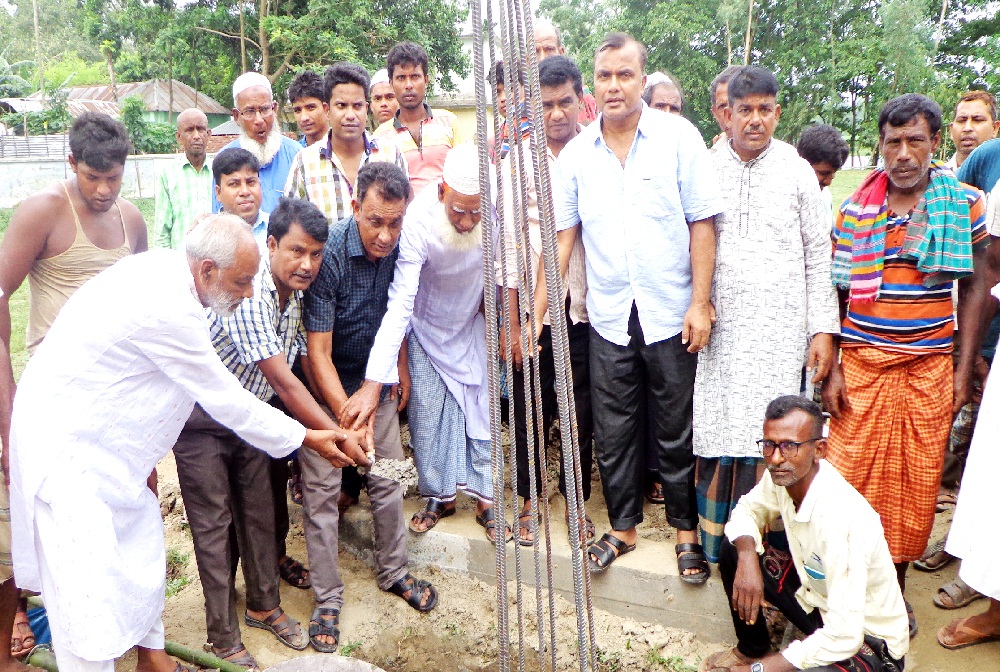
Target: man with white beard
[
  {"x": 254, "y": 111},
  {"x": 437, "y": 291}
]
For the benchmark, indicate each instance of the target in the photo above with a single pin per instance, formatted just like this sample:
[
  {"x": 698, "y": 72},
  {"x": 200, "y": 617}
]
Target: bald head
[
  {"x": 548, "y": 41},
  {"x": 192, "y": 135}
]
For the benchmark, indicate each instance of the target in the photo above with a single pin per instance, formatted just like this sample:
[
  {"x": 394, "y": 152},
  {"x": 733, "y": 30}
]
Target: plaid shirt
[
  {"x": 349, "y": 298},
  {"x": 182, "y": 193},
  {"x": 257, "y": 331},
  {"x": 318, "y": 176}
]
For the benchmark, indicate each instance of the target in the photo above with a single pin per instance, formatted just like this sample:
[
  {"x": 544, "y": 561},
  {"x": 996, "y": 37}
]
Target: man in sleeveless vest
[{"x": 58, "y": 239}]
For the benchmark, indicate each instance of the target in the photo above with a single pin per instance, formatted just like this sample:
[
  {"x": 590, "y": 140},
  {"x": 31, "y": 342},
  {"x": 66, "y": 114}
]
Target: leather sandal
[
  {"x": 281, "y": 625},
  {"x": 238, "y": 655},
  {"x": 692, "y": 556},
  {"x": 294, "y": 573},
  {"x": 488, "y": 519},
  {"x": 432, "y": 513},
  {"x": 605, "y": 551},
  {"x": 956, "y": 595},
  {"x": 324, "y": 621},
  {"x": 417, "y": 588}
]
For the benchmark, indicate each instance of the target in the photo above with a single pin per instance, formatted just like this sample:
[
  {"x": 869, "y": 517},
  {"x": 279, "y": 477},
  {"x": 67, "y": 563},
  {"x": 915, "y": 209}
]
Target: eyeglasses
[
  {"x": 251, "y": 112},
  {"x": 787, "y": 448}
]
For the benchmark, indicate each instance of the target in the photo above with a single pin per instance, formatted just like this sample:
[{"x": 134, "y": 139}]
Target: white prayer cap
[
  {"x": 249, "y": 80},
  {"x": 380, "y": 77},
  {"x": 461, "y": 169},
  {"x": 655, "y": 79}
]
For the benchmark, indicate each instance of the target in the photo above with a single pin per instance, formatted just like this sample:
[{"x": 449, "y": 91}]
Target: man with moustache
[
  {"x": 97, "y": 408},
  {"x": 255, "y": 112},
  {"x": 718, "y": 94},
  {"x": 344, "y": 308},
  {"x": 842, "y": 593},
  {"x": 436, "y": 294},
  {"x": 548, "y": 42},
  {"x": 183, "y": 188},
  {"x": 975, "y": 122},
  {"x": 224, "y": 480},
  {"x": 888, "y": 396},
  {"x": 383, "y": 99},
  {"x": 238, "y": 191}
]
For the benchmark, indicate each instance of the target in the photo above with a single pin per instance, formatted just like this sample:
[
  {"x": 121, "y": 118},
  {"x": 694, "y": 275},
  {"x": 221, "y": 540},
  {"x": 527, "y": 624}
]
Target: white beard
[
  {"x": 452, "y": 239},
  {"x": 266, "y": 152}
]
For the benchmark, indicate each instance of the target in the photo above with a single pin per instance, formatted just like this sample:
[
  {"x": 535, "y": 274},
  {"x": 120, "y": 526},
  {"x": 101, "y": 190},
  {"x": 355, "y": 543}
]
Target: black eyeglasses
[{"x": 787, "y": 448}]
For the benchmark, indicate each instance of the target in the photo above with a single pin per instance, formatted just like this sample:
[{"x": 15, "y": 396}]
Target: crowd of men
[{"x": 305, "y": 294}]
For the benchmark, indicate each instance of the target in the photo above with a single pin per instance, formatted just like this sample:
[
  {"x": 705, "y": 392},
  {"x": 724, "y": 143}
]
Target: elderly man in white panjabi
[{"x": 100, "y": 402}]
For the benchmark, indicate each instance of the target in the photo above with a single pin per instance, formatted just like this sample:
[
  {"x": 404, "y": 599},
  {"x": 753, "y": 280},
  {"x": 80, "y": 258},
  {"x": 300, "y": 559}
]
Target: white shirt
[
  {"x": 840, "y": 553},
  {"x": 100, "y": 402},
  {"x": 437, "y": 292},
  {"x": 635, "y": 221},
  {"x": 576, "y": 274}
]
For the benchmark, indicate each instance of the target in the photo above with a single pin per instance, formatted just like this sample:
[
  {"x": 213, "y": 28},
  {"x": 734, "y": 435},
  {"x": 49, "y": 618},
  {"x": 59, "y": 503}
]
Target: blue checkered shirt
[
  {"x": 349, "y": 298},
  {"x": 258, "y": 331}
]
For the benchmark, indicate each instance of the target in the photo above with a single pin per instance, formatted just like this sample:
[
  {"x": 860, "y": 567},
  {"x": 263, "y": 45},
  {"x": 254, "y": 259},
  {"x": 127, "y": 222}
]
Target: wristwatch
[{"x": 757, "y": 667}]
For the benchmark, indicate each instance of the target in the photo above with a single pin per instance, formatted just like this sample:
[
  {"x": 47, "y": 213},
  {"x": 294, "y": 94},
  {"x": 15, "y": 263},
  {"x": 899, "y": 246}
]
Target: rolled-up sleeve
[{"x": 753, "y": 512}]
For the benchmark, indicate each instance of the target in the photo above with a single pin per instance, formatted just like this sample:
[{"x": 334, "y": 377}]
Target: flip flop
[
  {"x": 605, "y": 551},
  {"x": 956, "y": 595},
  {"x": 911, "y": 619},
  {"x": 934, "y": 558},
  {"x": 950, "y": 636}
]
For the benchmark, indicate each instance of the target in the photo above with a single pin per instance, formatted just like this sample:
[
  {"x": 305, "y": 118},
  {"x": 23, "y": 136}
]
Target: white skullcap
[
  {"x": 380, "y": 77},
  {"x": 461, "y": 169},
  {"x": 655, "y": 79},
  {"x": 249, "y": 80}
]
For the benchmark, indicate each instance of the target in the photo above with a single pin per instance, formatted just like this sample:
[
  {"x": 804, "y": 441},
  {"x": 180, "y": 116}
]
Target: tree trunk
[
  {"x": 749, "y": 36},
  {"x": 265, "y": 47},
  {"x": 109, "y": 57},
  {"x": 729, "y": 43},
  {"x": 38, "y": 52},
  {"x": 170, "y": 83},
  {"x": 243, "y": 42}
]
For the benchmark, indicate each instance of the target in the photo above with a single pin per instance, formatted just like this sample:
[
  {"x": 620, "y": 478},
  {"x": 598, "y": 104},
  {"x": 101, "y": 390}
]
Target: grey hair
[{"x": 217, "y": 237}]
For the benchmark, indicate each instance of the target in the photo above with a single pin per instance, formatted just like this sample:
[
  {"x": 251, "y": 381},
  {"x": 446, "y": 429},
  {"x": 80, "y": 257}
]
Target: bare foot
[{"x": 22, "y": 639}]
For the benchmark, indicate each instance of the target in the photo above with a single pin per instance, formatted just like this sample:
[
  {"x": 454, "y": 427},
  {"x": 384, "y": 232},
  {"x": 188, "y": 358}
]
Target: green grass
[
  {"x": 19, "y": 300},
  {"x": 845, "y": 183}
]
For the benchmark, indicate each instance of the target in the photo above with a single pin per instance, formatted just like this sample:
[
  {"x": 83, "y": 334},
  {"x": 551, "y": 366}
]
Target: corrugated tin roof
[
  {"x": 155, "y": 93},
  {"x": 76, "y": 106}
]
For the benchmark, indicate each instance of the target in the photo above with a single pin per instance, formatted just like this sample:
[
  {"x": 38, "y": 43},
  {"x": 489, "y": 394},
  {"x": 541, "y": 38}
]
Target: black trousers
[
  {"x": 780, "y": 584},
  {"x": 579, "y": 354},
  {"x": 623, "y": 380}
]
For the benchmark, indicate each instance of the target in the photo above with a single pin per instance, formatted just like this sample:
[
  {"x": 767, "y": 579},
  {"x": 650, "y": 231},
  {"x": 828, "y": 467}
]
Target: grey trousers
[
  {"x": 224, "y": 481},
  {"x": 320, "y": 491}
]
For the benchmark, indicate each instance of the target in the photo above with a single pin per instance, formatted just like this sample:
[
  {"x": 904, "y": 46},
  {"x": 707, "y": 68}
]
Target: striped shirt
[
  {"x": 182, "y": 193},
  {"x": 436, "y": 135},
  {"x": 258, "y": 331},
  {"x": 908, "y": 316},
  {"x": 318, "y": 175}
]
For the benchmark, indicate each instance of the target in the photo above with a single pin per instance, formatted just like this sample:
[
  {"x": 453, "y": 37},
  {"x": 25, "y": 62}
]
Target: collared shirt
[
  {"x": 182, "y": 193},
  {"x": 259, "y": 330},
  {"x": 437, "y": 291},
  {"x": 349, "y": 298},
  {"x": 576, "y": 275},
  {"x": 635, "y": 221},
  {"x": 840, "y": 553},
  {"x": 273, "y": 175},
  {"x": 259, "y": 230},
  {"x": 318, "y": 175},
  {"x": 436, "y": 135}
]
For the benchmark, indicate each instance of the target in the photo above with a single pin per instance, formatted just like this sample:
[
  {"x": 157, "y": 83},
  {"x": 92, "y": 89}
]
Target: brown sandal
[
  {"x": 281, "y": 625},
  {"x": 238, "y": 655},
  {"x": 958, "y": 635},
  {"x": 956, "y": 595}
]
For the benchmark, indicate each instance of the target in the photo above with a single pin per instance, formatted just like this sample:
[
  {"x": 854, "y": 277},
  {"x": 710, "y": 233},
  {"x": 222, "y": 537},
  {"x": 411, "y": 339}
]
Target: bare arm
[
  {"x": 6, "y": 407},
  {"x": 976, "y": 308},
  {"x": 324, "y": 373},
  {"x": 701, "y": 315},
  {"x": 136, "y": 227}
]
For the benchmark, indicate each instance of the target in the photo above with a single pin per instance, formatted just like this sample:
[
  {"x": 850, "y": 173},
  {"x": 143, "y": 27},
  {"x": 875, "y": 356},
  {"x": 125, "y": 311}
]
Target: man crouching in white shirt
[{"x": 843, "y": 593}]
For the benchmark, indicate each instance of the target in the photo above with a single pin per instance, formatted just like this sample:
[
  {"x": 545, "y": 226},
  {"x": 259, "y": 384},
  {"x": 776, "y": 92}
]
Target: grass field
[{"x": 843, "y": 185}]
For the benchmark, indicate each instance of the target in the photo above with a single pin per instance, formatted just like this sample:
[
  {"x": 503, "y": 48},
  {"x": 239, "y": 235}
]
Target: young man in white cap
[
  {"x": 436, "y": 292},
  {"x": 254, "y": 111},
  {"x": 384, "y": 104}
]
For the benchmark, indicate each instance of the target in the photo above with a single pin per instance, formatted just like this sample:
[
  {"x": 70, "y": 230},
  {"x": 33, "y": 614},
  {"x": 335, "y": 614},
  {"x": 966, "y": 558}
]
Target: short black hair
[
  {"x": 822, "y": 143},
  {"x": 307, "y": 84},
  {"x": 230, "y": 160},
  {"x": 497, "y": 75},
  {"x": 99, "y": 141},
  {"x": 752, "y": 80},
  {"x": 720, "y": 79},
  {"x": 620, "y": 41},
  {"x": 343, "y": 72},
  {"x": 406, "y": 53},
  {"x": 901, "y": 110},
  {"x": 388, "y": 179},
  {"x": 297, "y": 211},
  {"x": 783, "y": 406},
  {"x": 557, "y": 70}
]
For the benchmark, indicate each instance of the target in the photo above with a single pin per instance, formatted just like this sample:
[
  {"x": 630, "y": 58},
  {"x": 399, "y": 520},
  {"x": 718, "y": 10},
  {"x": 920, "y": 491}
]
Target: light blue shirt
[
  {"x": 259, "y": 231},
  {"x": 635, "y": 221},
  {"x": 272, "y": 176}
]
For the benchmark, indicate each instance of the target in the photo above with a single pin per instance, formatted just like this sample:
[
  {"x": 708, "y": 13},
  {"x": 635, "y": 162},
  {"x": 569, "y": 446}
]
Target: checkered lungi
[
  {"x": 719, "y": 484},
  {"x": 890, "y": 442},
  {"x": 446, "y": 458}
]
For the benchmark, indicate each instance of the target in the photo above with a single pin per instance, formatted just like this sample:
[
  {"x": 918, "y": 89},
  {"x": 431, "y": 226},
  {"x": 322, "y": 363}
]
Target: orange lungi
[{"x": 890, "y": 443}]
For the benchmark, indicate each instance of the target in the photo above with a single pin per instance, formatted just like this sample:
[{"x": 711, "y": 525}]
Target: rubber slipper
[
  {"x": 951, "y": 635},
  {"x": 524, "y": 526},
  {"x": 956, "y": 595},
  {"x": 911, "y": 619},
  {"x": 934, "y": 558},
  {"x": 605, "y": 551}
]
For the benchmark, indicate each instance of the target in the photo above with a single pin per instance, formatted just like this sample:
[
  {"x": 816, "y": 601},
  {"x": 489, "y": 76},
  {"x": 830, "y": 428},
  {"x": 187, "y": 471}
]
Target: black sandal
[
  {"x": 605, "y": 551},
  {"x": 294, "y": 573},
  {"x": 238, "y": 655},
  {"x": 488, "y": 519},
  {"x": 416, "y": 588},
  {"x": 432, "y": 513},
  {"x": 692, "y": 556},
  {"x": 324, "y": 622}
]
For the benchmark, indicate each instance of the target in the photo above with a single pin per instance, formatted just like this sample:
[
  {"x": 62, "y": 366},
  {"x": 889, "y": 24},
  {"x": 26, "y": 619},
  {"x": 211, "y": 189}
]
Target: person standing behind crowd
[
  {"x": 975, "y": 122},
  {"x": 425, "y": 135},
  {"x": 548, "y": 42},
  {"x": 183, "y": 188},
  {"x": 254, "y": 110},
  {"x": 772, "y": 276},
  {"x": 663, "y": 93},
  {"x": 718, "y": 94},
  {"x": 305, "y": 95},
  {"x": 648, "y": 293},
  {"x": 383, "y": 99},
  {"x": 824, "y": 148},
  {"x": 896, "y": 335}
]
